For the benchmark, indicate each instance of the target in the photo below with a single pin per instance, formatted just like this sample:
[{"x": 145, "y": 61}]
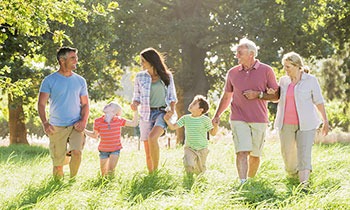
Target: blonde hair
[{"x": 296, "y": 60}]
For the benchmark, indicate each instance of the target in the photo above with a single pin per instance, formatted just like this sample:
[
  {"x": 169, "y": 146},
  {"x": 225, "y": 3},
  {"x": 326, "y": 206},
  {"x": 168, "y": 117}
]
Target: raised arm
[
  {"x": 134, "y": 122},
  {"x": 172, "y": 126}
]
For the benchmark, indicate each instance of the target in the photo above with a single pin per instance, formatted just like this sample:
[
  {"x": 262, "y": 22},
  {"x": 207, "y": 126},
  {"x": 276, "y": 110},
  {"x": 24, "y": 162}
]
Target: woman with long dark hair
[{"x": 154, "y": 91}]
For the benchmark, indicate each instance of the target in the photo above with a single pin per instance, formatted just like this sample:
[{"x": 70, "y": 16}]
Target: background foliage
[{"x": 196, "y": 35}]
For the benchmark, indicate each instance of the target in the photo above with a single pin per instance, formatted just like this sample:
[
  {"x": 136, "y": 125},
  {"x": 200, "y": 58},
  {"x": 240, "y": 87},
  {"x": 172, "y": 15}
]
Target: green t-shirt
[
  {"x": 196, "y": 129},
  {"x": 158, "y": 94}
]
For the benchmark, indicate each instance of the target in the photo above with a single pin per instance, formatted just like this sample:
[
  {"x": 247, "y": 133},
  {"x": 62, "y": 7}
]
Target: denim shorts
[
  {"x": 105, "y": 155},
  {"x": 155, "y": 119}
]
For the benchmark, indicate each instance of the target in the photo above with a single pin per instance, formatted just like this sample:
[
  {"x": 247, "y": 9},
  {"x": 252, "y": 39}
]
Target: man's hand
[
  {"x": 48, "y": 128},
  {"x": 80, "y": 126},
  {"x": 251, "y": 94},
  {"x": 215, "y": 120}
]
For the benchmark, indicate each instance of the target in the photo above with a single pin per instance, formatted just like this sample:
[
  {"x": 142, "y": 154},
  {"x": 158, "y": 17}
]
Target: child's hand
[
  {"x": 271, "y": 91},
  {"x": 168, "y": 115}
]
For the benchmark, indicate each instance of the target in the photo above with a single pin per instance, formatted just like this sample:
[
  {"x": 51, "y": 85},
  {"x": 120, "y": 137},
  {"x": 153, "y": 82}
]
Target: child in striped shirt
[
  {"x": 196, "y": 127},
  {"x": 108, "y": 128}
]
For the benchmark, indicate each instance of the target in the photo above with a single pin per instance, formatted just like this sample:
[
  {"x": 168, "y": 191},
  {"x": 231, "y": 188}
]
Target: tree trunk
[
  {"x": 17, "y": 127},
  {"x": 191, "y": 80}
]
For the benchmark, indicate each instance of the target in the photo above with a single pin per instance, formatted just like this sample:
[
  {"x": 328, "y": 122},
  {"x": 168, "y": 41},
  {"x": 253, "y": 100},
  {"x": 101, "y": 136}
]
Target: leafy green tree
[
  {"x": 198, "y": 34},
  {"x": 22, "y": 25}
]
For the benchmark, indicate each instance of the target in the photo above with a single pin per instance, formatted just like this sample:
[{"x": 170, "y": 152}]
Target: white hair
[
  {"x": 115, "y": 109},
  {"x": 250, "y": 45}
]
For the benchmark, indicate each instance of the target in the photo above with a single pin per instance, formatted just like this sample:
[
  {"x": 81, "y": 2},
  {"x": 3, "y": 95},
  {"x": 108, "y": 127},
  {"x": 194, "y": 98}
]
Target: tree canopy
[{"x": 196, "y": 35}]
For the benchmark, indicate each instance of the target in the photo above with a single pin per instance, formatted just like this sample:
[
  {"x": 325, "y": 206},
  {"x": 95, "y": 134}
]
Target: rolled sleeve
[
  {"x": 317, "y": 97},
  {"x": 171, "y": 91}
]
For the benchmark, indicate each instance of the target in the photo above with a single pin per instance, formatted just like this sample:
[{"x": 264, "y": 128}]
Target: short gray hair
[{"x": 249, "y": 44}]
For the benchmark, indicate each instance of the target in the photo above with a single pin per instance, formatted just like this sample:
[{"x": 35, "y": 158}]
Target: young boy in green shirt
[{"x": 196, "y": 127}]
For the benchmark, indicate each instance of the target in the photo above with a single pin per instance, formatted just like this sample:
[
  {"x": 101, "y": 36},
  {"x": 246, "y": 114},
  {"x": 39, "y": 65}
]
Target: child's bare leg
[
  {"x": 112, "y": 163},
  {"x": 104, "y": 166}
]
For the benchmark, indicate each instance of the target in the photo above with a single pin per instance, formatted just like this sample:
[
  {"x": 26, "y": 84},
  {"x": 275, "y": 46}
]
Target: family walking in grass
[{"x": 248, "y": 87}]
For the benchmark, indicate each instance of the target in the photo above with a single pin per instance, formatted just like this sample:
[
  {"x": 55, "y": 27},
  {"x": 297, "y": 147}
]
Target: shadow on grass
[
  {"x": 143, "y": 186},
  {"x": 33, "y": 194},
  {"x": 22, "y": 153}
]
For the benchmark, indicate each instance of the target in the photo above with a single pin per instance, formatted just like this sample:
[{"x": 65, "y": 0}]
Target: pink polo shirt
[{"x": 259, "y": 78}]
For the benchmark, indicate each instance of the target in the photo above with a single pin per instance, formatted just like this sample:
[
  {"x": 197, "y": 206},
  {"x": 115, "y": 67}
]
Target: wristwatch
[{"x": 261, "y": 94}]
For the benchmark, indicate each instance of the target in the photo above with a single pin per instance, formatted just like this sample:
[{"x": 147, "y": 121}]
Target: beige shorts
[
  {"x": 195, "y": 160},
  {"x": 296, "y": 148},
  {"x": 64, "y": 139},
  {"x": 248, "y": 137}
]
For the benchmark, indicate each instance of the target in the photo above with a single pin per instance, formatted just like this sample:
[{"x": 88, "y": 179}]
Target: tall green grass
[{"x": 26, "y": 181}]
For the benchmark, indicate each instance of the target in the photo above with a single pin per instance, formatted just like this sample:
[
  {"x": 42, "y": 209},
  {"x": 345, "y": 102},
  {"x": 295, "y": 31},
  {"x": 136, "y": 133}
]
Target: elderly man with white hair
[
  {"x": 245, "y": 89},
  {"x": 108, "y": 128}
]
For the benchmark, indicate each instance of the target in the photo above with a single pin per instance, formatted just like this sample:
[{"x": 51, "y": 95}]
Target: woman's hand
[
  {"x": 325, "y": 128},
  {"x": 134, "y": 105}
]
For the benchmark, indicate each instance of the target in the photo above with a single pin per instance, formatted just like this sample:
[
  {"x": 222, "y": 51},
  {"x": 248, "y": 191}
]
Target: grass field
[{"x": 26, "y": 181}]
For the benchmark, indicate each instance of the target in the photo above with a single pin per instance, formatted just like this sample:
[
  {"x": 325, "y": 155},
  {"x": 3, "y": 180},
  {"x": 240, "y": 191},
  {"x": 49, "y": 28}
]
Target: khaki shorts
[
  {"x": 248, "y": 137},
  {"x": 195, "y": 160},
  {"x": 64, "y": 139},
  {"x": 296, "y": 148}
]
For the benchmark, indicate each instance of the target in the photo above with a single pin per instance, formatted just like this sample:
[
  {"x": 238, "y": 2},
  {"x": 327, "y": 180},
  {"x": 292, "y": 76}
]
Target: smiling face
[
  {"x": 71, "y": 60},
  {"x": 145, "y": 64},
  {"x": 244, "y": 56},
  {"x": 290, "y": 68}
]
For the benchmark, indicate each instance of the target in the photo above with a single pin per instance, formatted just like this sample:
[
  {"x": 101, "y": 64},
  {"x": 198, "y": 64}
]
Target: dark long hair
[{"x": 157, "y": 61}]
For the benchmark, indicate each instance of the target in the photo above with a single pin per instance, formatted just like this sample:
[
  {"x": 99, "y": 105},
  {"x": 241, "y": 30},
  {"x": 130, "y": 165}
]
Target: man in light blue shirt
[{"x": 67, "y": 95}]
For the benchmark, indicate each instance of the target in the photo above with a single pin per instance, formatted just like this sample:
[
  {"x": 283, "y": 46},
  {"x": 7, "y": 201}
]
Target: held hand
[
  {"x": 215, "y": 123},
  {"x": 215, "y": 120},
  {"x": 271, "y": 91},
  {"x": 251, "y": 94},
  {"x": 134, "y": 106},
  {"x": 168, "y": 115},
  {"x": 80, "y": 126}
]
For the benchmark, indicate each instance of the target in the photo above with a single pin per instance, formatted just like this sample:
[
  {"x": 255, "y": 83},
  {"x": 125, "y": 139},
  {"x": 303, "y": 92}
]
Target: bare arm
[
  {"x": 325, "y": 126},
  {"x": 43, "y": 98},
  {"x": 224, "y": 103},
  {"x": 215, "y": 129},
  {"x": 84, "y": 114},
  {"x": 134, "y": 122},
  {"x": 167, "y": 117},
  {"x": 254, "y": 94},
  {"x": 93, "y": 134}
]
